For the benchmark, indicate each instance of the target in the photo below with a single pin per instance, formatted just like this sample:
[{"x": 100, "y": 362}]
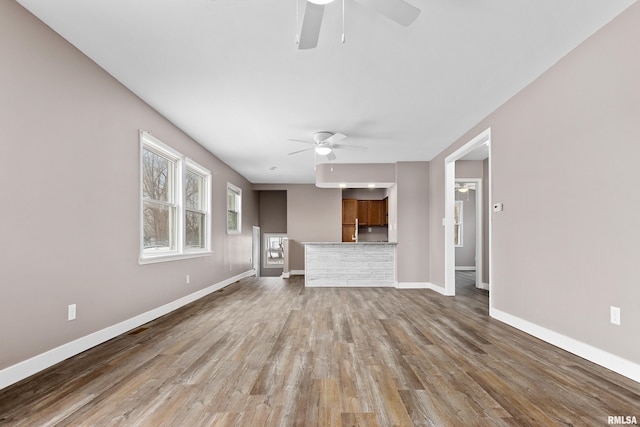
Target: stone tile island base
[{"x": 334, "y": 264}]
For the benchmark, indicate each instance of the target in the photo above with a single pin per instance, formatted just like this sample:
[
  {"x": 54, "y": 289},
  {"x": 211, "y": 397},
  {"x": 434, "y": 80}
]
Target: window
[
  {"x": 273, "y": 250},
  {"x": 234, "y": 209},
  {"x": 159, "y": 201},
  {"x": 457, "y": 224},
  {"x": 175, "y": 208},
  {"x": 196, "y": 209}
]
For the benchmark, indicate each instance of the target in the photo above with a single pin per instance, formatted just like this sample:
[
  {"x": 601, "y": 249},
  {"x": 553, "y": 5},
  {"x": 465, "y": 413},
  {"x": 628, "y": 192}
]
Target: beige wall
[
  {"x": 330, "y": 175},
  {"x": 70, "y": 203},
  {"x": 469, "y": 169},
  {"x": 564, "y": 151},
  {"x": 412, "y": 221}
]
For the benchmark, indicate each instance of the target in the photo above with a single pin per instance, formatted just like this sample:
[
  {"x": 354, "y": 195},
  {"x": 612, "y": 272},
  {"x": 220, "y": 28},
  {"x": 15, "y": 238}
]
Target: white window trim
[
  {"x": 182, "y": 164},
  {"x": 239, "y": 191}
]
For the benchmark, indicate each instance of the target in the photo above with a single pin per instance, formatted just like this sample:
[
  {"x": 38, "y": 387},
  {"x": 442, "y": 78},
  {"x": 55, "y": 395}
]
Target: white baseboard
[
  {"x": 296, "y": 272},
  {"x": 413, "y": 285},
  {"x": 421, "y": 285},
  {"x": 465, "y": 267},
  {"x": 439, "y": 289},
  {"x": 600, "y": 357},
  {"x": 484, "y": 286},
  {"x": 26, "y": 368},
  {"x": 285, "y": 275}
]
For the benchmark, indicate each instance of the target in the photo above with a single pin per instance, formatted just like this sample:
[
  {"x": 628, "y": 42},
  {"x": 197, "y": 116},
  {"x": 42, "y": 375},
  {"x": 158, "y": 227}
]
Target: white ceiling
[{"x": 229, "y": 74}]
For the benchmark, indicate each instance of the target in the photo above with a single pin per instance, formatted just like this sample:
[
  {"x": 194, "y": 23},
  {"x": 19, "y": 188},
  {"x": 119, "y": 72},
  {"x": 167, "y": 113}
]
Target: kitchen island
[{"x": 338, "y": 264}]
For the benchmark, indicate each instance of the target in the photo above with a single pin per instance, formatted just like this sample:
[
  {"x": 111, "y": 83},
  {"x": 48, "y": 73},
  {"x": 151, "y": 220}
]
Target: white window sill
[{"x": 153, "y": 259}]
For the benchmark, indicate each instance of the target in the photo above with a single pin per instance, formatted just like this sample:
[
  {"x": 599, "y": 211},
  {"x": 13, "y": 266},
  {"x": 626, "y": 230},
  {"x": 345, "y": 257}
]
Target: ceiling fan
[
  {"x": 465, "y": 187},
  {"x": 325, "y": 142},
  {"x": 397, "y": 10}
]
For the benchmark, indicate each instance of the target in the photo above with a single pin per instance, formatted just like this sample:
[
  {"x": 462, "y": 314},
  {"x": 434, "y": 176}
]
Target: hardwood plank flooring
[{"x": 269, "y": 352}]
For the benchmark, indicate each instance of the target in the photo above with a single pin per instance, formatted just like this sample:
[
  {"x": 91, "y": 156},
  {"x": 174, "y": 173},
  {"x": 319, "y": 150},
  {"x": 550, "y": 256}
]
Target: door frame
[
  {"x": 255, "y": 250},
  {"x": 483, "y": 138}
]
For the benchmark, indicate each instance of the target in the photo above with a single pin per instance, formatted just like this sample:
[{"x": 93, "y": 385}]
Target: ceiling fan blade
[
  {"x": 335, "y": 138},
  {"x": 397, "y": 10},
  {"x": 349, "y": 147},
  {"x": 300, "y": 140},
  {"x": 311, "y": 26},
  {"x": 301, "y": 151},
  {"x": 331, "y": 156}
]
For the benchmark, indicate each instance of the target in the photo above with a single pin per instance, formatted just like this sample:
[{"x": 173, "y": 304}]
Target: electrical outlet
[
  {"x": 615, "y": 315},
  {"x": 71, "y": 312},
  {"x": 187, "y": 279}
]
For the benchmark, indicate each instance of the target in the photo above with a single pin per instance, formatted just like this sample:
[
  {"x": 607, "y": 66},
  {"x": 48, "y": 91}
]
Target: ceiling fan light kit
[{"x": 324, "y": 143}]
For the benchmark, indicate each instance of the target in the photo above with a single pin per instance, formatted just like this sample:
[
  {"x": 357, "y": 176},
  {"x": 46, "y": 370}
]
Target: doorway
[
  {"x": 468, "y": 229},
  {"x": 478, "y": 147}
]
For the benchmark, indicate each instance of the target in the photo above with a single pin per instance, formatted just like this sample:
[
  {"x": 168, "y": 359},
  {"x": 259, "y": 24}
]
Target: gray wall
[
  {"x": 469, "y": 169},
  {"x": 364, "y": 193},
  {"x": 412, "y": 221},
  {"x": 563, "y": 151},
  {"x": 273, "y": 219},
  {"x": 70, "y": 211}
]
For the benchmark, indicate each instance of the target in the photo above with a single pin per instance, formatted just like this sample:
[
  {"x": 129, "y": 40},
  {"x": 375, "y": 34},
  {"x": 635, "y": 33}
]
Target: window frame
[
  {"x": 181, "y": 165},
  {"x": 238, "y": 194},
  {"x": 204, "y": 173}
]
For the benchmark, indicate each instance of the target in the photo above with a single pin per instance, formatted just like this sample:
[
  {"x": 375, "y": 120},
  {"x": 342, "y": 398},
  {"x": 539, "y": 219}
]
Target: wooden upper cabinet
[
  {"x": 349, "y": 211},
  {"x": 376, "y": 212},
  {"x": 363, "y": 212},
  {"x": 369, "y": 212}
]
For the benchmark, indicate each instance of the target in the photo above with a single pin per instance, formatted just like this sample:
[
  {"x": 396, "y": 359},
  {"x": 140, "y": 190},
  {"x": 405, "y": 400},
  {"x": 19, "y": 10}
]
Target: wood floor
[{"x": 268, "y": 352}]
